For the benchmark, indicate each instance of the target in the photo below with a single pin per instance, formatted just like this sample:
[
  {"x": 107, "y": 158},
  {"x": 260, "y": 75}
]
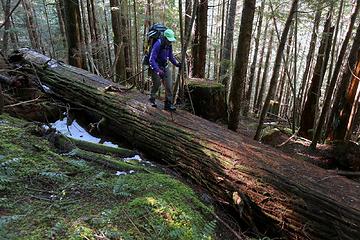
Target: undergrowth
[{"x": 44, "y": 195}]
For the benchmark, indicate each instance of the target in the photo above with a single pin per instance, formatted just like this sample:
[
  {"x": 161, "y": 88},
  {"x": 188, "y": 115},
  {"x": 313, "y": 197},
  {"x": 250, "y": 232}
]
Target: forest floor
[
  {"x": 47, "y": 195},
  {"x": 325, "y": 156}
]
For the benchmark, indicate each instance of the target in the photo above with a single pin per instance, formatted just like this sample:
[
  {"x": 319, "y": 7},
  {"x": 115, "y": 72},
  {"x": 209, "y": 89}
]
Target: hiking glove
[{"x": 161, "y": 73}]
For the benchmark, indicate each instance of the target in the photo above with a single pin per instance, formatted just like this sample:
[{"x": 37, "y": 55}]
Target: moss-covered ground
[{"x": 45, "y": 195}]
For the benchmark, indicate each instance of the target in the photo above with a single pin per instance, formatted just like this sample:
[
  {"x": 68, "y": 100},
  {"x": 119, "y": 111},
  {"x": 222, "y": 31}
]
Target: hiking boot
[
  {"x": 169, "y": 107},
  {"x": 152, "y": 101}
]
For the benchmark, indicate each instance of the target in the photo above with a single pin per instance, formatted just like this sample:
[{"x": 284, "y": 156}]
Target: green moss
[{"x": 45, "y": 195}]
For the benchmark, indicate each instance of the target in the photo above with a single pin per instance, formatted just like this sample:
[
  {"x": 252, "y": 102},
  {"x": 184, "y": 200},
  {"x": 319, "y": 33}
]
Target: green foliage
[{"x": 61, "y": 197}]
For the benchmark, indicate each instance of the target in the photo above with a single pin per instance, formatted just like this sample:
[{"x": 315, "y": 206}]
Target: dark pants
[{"x": 167, "y": 81}]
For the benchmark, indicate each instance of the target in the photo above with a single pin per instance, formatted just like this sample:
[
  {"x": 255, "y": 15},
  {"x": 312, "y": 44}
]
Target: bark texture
[
  {"x": 238, "y": 83},
  {"x": 200, "y": 41},
  {"x": 308, "y": 115},
  {"x": 269, "y": 189},
  {"x": 73, "y": 33}
]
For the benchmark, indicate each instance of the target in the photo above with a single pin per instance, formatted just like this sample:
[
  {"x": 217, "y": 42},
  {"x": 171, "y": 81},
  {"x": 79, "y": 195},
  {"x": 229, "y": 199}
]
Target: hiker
[{"x": 160, "y": 53}]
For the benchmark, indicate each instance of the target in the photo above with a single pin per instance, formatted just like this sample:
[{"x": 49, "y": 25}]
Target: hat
[{"x": 170, "y": 35}]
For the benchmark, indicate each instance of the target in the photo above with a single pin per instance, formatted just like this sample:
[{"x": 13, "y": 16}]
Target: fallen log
[
  {"x": 94, "y": 147},
  {"x": 274, "y": 193}
]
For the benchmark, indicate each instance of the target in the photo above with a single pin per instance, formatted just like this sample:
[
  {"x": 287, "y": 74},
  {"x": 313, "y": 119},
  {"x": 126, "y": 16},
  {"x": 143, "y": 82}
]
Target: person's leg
[
  {"x": 156, "y": 82},
  {"x": 168, "y": 85}
]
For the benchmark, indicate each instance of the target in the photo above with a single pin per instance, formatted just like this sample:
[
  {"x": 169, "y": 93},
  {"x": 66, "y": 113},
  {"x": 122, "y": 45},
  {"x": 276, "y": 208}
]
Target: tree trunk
[
  {"x": 121, "y": 40},
  {"x": 277, "y": 64},
  {"x": 31, "y": 25},
  {"x": 254, "y": 61},
  {"x": 270, "y": 190},
  {"x": 7, "y": 26},
  {"x": 238, "y": 82},
  {"x": 200, "y": 41},
  {"x": 308, "y": 115},
  {"x": 309, "y": 56},
  {"x": 260, "y": 95},
  {"x": 229, "y": 38},
  {"x": 335, "y": 77},
  {"x": 60, "y": 16},
  {"x": 73, "y": 33},
  {"x": 351, "y": 73},
  {"x": 261, "y": 61}
]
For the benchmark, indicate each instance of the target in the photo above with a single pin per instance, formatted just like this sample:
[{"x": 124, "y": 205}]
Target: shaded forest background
[{"x": 296, "y": 62}]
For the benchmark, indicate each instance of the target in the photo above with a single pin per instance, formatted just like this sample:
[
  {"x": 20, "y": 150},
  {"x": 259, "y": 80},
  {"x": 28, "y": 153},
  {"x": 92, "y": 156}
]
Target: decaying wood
[{"x": 277, "y": 194}]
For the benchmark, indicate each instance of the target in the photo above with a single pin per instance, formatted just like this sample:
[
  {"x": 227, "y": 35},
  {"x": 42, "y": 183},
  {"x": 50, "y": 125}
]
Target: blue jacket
[{"x": 160, "y": 54}]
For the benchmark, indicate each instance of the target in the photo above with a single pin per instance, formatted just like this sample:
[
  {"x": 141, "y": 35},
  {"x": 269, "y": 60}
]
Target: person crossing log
[{"x": 275, "y": 194}]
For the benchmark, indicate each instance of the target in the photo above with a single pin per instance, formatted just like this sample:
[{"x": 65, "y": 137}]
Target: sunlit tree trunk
[
  {"x": 347, "y": 91},
  {"x": 344, "y": 81},
  {"x": 238, "y": 83}
]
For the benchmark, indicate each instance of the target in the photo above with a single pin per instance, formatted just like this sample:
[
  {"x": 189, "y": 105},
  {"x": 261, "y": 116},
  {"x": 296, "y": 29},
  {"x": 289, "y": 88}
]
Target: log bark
[{"x": 273, "y": 192}]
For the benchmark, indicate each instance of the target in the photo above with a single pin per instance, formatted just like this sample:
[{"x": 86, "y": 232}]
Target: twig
[
  {"x": 22, "y": 103},
  {"x": 228, "y": 227},
  {"x": 292, "y": 136}
]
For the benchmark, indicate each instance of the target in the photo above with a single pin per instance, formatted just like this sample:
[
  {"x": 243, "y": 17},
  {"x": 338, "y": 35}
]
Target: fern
[
  {"x": 121, "y": 188},
  {"x": 209, "y": 230},
  {"x": 10, "y": 162},
  {"x": 4, "y": 181},
  {"x": 4, "y": 220},
  {"x": 5, "y": 203},
  {"x": 80, "y": 165},
  {"x": 177, "y": 233},
  {"x": 54, "y": 176}
]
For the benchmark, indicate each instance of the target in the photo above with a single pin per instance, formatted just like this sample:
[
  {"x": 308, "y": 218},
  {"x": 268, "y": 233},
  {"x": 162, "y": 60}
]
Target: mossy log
[
  {"x": 275, "y": 193},
  {"x": 208, "y": 98},
  {"x": 105, "y": 160},
  {"x": 63, "y": 141}
]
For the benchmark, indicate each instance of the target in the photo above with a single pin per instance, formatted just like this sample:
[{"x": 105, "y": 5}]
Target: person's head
[{"x": 169, "y": 35}]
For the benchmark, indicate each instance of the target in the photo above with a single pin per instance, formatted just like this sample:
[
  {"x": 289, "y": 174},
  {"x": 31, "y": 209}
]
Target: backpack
[{"x": 155, "y": 32}]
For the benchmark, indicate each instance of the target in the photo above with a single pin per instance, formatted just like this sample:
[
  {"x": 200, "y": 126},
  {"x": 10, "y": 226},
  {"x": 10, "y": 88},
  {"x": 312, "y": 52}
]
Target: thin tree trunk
[
  {"x": 51, "y": 40},
  {"x": 222, "y": 27},
  {"x": 107, "y": 33},
  {"x": 238, "y": 83},
  {"x": 334, "y": 45},
  {"x": 254, "y": 61},
  {"x": 265, "y": 72},
  {"x": 308, "y": 115},
  {"x": 226, "y": 50},
  {"x": 261, "y": 61},
  {"x": 5, "y": 40},
  {"x": 343, "y": 83},
  {"x": 277, "y": 64}
]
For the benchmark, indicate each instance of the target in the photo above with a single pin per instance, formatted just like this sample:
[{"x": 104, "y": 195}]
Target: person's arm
[
  {"x": 154, "y": 55},
  {"x": 172, "y": 58}
]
